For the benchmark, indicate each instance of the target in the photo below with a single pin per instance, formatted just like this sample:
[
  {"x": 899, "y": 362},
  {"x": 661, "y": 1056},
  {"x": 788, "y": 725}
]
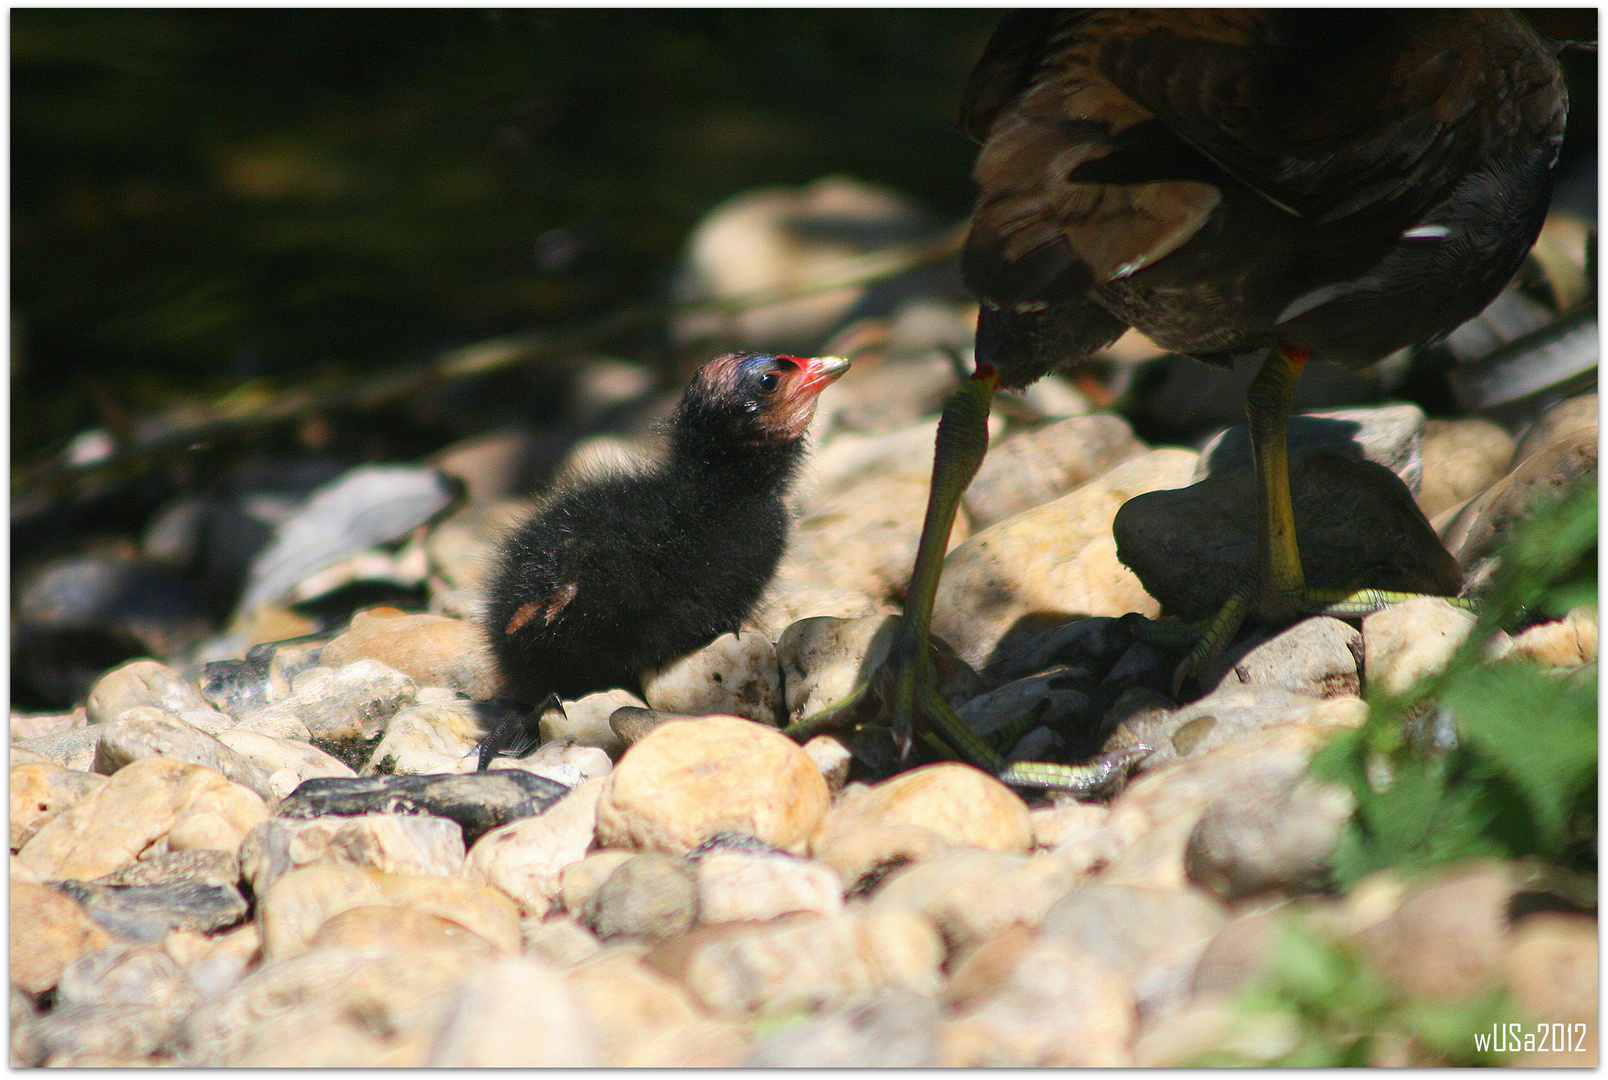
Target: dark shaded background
[
  {"x": 203, "y": 197},
  {"x": 200, "y": 197}
]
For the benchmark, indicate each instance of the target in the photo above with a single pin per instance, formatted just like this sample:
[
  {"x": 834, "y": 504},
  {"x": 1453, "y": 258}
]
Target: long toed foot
[{"x": 904, "y": 688}]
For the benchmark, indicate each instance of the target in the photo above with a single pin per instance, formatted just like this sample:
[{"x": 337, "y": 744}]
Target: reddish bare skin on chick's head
[{"x": 761, "y": 398}]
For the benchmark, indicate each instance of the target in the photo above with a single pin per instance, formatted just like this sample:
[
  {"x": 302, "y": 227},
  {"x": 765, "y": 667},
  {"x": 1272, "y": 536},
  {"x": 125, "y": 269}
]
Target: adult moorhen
[{"x": 1287, "y": 183}]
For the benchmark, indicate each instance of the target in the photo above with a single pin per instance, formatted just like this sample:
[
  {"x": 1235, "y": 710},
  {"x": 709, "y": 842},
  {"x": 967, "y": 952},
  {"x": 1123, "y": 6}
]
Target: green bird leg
[
  {"x": 1279, "y": 593},
  {"x": 906, "y": 684}
]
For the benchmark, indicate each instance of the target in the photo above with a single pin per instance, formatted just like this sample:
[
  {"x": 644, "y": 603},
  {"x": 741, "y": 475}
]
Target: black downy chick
[{"x": 623, "y": 573}]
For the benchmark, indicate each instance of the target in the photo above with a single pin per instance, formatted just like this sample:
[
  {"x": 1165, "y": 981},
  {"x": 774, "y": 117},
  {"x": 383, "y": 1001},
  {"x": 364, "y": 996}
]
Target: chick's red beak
[
  {"x": 816, "y": 373},
  {"x": 791, "y": 410}
]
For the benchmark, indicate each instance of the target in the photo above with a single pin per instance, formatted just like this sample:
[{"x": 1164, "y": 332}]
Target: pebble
[
  {"x": 1317, "y": 657},
  {"x": 890, "y": 394},
  {"x": 1052, "y": 563},
  {"x": 651, "y": 896},
  {"x": 94, "y": 1036},
  {"x": 478, "y": 802},
  {"x": 1237, "y": 952},
  {"x": 127, "y": 975},
  {"x": 864, "y": 538},
  {"x": 776, "y": 239},
  {"x": 1448, "y": 937},
  {"x": 1557, "y": 456},
  {"x": 329, "y": 1008},
  {"x": 894, "y": 1029},
  {"x": 524, "y": 859},
  {"x": 287, "y": 761},
  {"x": 430, "y": 738},
  {"x": 1090, "y": 645},
  {"x": 790, "y": 599},
  {"x": 1221, "y": 717},
  {"x": 397, "y": 929},
  {"x": 1150, "y": 939},
  {"x": 803, "y": 962},
  {"x": 429, "y": 649},
  {"x": 631, "y": 724},
  {"x": 586, "y": 720},
  {"x": 1057, "y": 699},
  {"x": 49, "y": 930},
  {"x": 149, "y": 913},
  {"x": 1388, "y": 435},
  {"x": 292, "y": 909},
  {"x": 960, "y": 804},
  {"x": 1192, "y": 547},
  {"x": 822, "y": 660},
  {"x": 562, "y": 941},
  {"x": 1066, "y": 823},
  {"x": 187, "y": 806},
  {"x": 863, "y": 857},
  {"x": 140, "y": 683},
  {"x": 73, "y": 614},
  {"x": 629, "y": 1002},
  {"x": 736, "y": 886},
  {"x": 1566, "y": 642},
  {"x": 579, "y": 880},
  {"x": 1552, "y": 975},
  {"x": 1408, "y": 641},
  {"x": 392, "y": 843},
  {"x": 32, "y": 725},
  {"x": 280, "y": 662},
  {"x": 969, "y": 893},
  {"x": 145, "y": 732},
  {"x": 1055, "y": 1006},
  {"x": 736, "y": 674},
  {"x": 1461, "y": 459},
  {"x": 1033, "y": 467},
  {"x": 1144, "y": 837},
  {"x": 202, "y": 866},
  {"x": 71, "y": 749},
  {"x": 41, "y": 791},
  {"x": 516, "y": 1013},
  {"x": 562, "y": 761},
  {"x": 364, "y": 507},
  {"x": 351, "y": 704},
  {"x": 1277, "y": 837},
  {"x": 689, "y": 779},
  {"x": 832, "y": 758}
]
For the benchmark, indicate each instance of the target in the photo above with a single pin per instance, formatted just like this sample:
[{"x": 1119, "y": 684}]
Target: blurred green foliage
[
  {"x": 1317, "y": 1004},
  {"x": 1521, "y": 776},
  {"x": 200, "y": 196}
]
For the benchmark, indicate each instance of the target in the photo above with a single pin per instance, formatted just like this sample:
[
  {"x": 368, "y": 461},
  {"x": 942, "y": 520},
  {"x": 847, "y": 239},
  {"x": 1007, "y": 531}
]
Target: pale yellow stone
[
  {"x": 687, "y": 780},
  {"x": 961, "y": 804}
]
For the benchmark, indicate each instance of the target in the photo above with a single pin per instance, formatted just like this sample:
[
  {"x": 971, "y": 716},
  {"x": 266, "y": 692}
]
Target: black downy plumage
[{"x": 621, "y": 573}]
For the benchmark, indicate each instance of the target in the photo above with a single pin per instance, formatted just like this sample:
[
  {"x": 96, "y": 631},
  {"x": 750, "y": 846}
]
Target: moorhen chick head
[{"x": 749, "y": 407}]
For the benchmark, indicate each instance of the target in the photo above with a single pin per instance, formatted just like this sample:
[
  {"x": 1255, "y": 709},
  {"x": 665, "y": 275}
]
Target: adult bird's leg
[
  {"x": 1279, "y": 593},
  {"x": 907, "y": 682},
  {"x": 1280, "y": 587}
]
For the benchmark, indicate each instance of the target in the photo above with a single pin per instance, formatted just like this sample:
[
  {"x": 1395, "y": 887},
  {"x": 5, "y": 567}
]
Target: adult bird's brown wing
[{"x": 1109, "y": 136}]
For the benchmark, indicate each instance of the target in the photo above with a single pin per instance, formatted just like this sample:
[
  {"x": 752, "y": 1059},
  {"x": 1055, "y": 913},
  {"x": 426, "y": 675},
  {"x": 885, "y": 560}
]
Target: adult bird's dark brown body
[{"x": 1324, "y": 183}]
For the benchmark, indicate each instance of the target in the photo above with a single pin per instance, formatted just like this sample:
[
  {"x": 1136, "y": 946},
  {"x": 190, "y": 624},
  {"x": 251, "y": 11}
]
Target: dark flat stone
[
  {"x": 150, "y": 912},
  {"x": 478, "y": 802}
]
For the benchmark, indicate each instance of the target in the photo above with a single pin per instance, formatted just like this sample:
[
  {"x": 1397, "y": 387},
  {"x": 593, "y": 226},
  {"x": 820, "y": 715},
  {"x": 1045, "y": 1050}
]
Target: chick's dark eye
[{"x": 768, "y": 382}]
